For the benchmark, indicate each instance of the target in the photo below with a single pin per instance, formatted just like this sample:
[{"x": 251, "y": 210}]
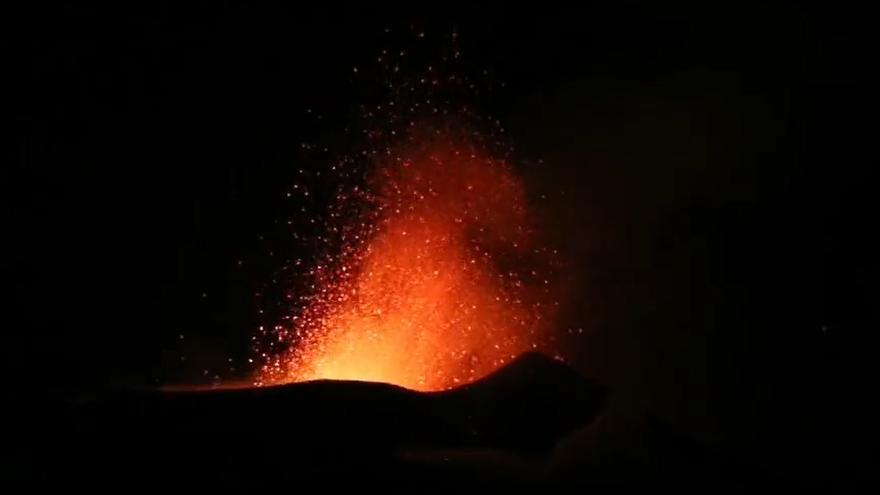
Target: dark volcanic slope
[{"x": 315, "y": 428}]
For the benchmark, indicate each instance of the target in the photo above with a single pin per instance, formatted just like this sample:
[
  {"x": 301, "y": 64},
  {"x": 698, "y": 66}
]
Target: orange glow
[{"x": 439, "y": 286}]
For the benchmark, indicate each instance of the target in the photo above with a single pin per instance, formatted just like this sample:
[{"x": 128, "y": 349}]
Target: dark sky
[{"x": 705, "y": 168}]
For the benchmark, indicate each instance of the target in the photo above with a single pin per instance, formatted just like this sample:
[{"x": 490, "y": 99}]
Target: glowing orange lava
[{"x": 439, "y": 286}]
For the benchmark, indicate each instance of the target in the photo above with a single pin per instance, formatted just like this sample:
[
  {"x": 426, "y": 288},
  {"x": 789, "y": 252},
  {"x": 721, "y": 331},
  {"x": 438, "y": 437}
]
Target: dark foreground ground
[{"x": 534, "y": 423}]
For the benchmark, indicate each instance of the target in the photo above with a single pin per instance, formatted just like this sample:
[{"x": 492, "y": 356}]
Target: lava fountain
[
  {"x": 431, "y": 272},
  {"x": 438, "y": 285}
]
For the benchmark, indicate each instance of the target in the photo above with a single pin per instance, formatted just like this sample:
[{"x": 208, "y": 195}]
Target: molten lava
[{"x": 438, "y": 285}]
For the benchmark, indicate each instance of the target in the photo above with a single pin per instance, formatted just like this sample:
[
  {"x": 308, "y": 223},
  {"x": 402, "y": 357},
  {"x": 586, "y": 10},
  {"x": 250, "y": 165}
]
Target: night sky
[{"x": 703, "y": 168}]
